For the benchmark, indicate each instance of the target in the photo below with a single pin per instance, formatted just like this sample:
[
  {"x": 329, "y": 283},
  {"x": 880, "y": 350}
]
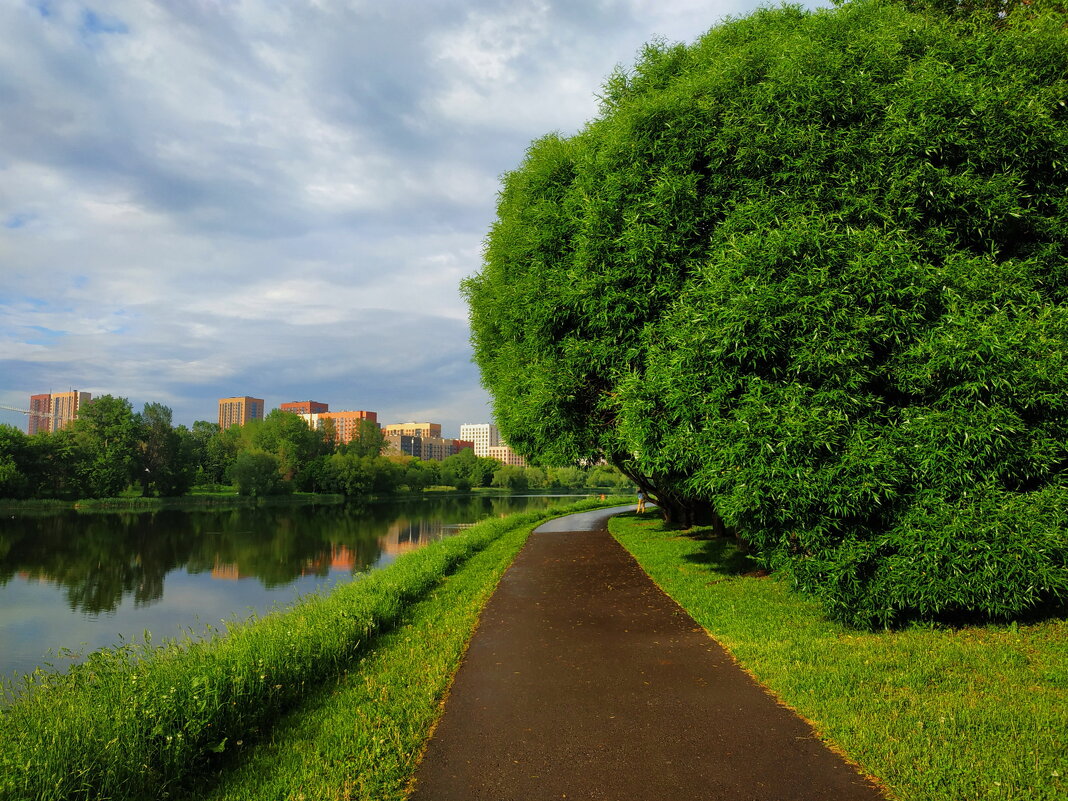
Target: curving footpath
[{"x": 585, "y": 681}]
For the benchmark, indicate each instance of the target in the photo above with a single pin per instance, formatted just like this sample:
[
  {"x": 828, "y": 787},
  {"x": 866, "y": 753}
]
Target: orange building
[
  {"x": 56, "y": 410},
  {"x": 346, "y": 424},
  {"x": 40, "y": 414},
  {"x": 305, "y": 407},
  {"x": 239, "y": 410}
]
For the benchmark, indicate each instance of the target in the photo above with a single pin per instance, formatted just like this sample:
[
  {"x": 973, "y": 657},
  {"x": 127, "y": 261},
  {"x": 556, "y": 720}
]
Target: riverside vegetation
[
  {"x": 112, "y": 455},
  {"x": 147, "y": 721},
  {"x": 934, "y": 712}
]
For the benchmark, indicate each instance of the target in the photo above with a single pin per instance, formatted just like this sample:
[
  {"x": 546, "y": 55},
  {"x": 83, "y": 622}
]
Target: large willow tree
[{"x": 812, "y": 270}]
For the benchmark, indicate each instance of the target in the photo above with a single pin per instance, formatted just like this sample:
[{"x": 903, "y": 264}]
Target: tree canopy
[{"x": 812, "y": 271}]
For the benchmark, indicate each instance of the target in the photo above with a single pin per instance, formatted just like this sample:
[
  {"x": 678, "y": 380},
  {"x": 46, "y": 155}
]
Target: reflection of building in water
[
  {"x": 227, "y": 572},
  {"x": 339, "y": 557},
  {"x": 407, "y": 535}
]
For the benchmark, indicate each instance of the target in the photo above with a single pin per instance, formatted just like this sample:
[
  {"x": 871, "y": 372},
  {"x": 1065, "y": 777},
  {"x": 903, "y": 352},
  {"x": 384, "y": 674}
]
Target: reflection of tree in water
[
  {"x": 98, "y": 559},
  {"x": 101, "y": 558}
]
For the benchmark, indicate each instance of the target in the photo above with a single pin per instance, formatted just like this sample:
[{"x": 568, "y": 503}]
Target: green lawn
[{"x": 934, "y": 713}]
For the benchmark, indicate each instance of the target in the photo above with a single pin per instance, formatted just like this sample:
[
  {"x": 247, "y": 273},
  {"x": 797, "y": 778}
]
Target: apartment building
[
  {"x": 239, "y": 410},
  {"x": 413, "y": 429},
  {"x": 505, "y": 455},
  {"x": 40, "y": 418},
  {"x": 427, "y": 448},
  {"x": 483, "y": 435},
  {"x": 346, "y": 424},
  {"x": 305, "y": 407},
  {"x": 55, "y": 411},
  {"x": 404, "y": 444}
]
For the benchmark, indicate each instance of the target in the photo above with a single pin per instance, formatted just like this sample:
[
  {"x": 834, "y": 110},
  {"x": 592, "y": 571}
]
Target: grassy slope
[
  {"x": 361, "y": 738},
  {"x": 936, "y": 714}
]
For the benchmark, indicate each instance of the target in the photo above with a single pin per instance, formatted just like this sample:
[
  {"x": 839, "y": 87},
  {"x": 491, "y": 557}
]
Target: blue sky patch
[
  {"x": 93, "y": 23},
  {"x": 45, "y": 336},
  {"x": 19, "y": 220}
]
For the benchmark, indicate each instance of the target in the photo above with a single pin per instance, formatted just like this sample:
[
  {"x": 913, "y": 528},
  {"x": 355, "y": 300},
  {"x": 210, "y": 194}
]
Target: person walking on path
[
  {"x": 641, "y": 502},
  {"x": 584, "y": 681}
]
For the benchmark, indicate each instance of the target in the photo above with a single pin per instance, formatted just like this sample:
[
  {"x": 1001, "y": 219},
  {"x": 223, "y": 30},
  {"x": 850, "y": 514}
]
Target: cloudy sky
[{"x": 277, "y": 198}]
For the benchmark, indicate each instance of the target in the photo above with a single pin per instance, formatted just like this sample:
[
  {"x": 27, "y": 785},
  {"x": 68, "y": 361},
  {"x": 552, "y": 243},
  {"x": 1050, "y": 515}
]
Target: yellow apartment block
[{"x": 238, "y": 411}]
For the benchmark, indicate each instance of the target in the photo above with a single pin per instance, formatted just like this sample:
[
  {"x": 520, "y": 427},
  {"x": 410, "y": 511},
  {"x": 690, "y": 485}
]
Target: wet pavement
[{"x": 585, "y": 681}]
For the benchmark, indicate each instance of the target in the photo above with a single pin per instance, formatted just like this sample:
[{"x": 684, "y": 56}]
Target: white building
[{"x": 484, "y": 435}]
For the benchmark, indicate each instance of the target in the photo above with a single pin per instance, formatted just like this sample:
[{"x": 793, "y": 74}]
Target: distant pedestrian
[{"x": 641, "y": 502}]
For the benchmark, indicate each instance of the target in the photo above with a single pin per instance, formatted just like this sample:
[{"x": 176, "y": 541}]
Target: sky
[{"x": 277, "y": 198}]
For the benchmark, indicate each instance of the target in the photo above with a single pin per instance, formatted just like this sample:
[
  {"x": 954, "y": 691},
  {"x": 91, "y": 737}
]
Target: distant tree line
[{"x": 111, "y": 450}]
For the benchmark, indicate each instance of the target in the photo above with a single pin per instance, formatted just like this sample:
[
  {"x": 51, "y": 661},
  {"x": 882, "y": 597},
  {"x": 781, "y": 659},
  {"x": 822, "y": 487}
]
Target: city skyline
[{"x": 238, "y": 409}]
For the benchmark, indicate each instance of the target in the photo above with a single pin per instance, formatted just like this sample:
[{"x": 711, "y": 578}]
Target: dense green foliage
[
  {"x": 135, "y": 722},
  {"x": 813, "y": 270}
]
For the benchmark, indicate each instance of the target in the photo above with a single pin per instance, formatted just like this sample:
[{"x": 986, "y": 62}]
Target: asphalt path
[{"x": 585, "y": 681}]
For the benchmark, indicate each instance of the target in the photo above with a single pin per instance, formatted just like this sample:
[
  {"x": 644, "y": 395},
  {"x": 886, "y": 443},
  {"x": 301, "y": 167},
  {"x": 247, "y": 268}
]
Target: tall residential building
[
  {"x": 40, "y": 414},
  {"x": 305, "y": 407},
  {"x": 346, "y": 424},
  {"x": 65, "y": 406},
  {"x": 484, "y": 435},
  {"x": 413, "y": 429},
  {"x": 55, "y": 411},
  {"x": 239, "y": 410}
]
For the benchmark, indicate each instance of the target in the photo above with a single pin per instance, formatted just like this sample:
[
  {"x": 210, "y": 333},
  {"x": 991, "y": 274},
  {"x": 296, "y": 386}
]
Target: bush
[
  {"x": 812, "y": 270},
  {"x": 257, "y": 474}
]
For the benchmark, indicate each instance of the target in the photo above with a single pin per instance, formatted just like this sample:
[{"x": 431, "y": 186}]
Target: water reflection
[
  {"x": 100, "y": 559},
  {"x": 79, "y": 581}
]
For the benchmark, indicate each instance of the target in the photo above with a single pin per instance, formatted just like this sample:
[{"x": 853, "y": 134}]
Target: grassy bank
[
  {"x": 361, "y": 736},
  {"x": 935, "y": 713},
  {"x": 143, "y": 722}
]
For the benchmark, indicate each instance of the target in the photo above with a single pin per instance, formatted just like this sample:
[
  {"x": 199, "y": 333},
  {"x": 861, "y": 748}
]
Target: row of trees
[
  {"x": 806, "y": 279},
  {"x": 109, "y": 448}
]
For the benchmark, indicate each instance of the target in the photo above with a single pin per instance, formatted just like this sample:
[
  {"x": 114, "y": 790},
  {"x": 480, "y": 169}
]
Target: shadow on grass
[{"x": 722, "y": 556}]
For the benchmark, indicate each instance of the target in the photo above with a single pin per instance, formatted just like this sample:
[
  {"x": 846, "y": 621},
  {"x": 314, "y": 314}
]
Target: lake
[{"x": 77, "y": 581}]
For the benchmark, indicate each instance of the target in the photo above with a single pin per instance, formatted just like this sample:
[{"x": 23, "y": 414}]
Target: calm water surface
[{"x": 78, "y": 581}]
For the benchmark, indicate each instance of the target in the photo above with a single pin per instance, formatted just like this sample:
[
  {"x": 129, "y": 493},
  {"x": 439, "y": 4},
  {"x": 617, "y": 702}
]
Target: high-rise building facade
[
  {"x": 413, "y": 429},
  {"x": 347, "y": 425},
  {"x": 484, "y": 435},
  {"x": 239, "y": 410},
  {"x": 40, "y": 418},
  {"x": 55, "y": 411},
  {"x": 305, "y": 407}
]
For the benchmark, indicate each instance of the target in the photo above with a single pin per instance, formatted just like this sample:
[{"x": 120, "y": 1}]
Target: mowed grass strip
[
  {"x": 361, "y": 739},
  {"x": 935, "y": 713}
]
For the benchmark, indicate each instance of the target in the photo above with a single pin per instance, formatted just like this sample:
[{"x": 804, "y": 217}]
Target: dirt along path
[{"x": 585, "y": 681}]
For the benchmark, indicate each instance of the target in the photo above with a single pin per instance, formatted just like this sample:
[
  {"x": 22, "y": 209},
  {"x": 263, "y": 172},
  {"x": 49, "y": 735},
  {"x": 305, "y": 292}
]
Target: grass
[
  {"x": 361, "y": 737},
  {"x": 934, "y": 713},
  {"x": 142, "y": 722}
]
